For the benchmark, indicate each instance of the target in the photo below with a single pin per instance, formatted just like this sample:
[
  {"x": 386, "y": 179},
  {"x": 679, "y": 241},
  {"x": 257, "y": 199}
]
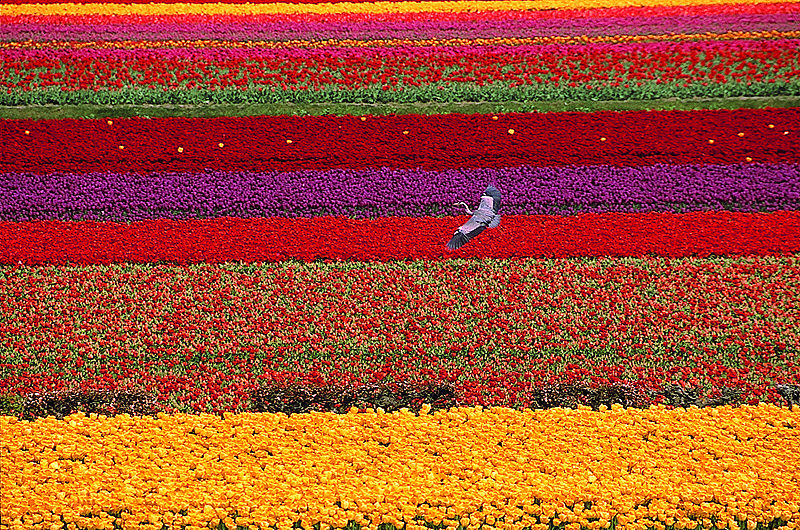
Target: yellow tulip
[{"x": 445, "y": 467}]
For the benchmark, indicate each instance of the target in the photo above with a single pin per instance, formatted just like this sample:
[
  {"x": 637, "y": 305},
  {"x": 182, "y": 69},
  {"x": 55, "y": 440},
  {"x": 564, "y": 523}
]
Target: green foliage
[
  {"x": 11, "y": 404},
  {"x": 453, "y": 93},
  {"x": 98, "y": 111}
]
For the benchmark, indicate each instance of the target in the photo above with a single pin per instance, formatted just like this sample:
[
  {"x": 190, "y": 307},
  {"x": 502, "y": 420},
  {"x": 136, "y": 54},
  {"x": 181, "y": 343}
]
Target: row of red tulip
[{"x": 392, "y": 238}]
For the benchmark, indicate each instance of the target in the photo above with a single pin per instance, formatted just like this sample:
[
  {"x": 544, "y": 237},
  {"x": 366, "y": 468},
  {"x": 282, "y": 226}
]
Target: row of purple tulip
[
  {"x": 370, "y": 29},
  {"x": 377, "y": 192}
]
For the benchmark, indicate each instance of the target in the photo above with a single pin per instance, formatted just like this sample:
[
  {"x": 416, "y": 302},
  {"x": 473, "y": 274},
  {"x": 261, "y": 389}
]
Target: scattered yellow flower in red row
[
  {"x": 496, "y": 468},
  {"x": 372, "y": 43}
]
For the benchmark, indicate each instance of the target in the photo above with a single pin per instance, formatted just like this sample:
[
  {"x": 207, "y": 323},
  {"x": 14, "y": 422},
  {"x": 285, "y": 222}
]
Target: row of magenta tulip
[
  {"x": 40, "y": 31},
  {"x": 291, "y": 143},
  {"x": 659, "y": 20}
]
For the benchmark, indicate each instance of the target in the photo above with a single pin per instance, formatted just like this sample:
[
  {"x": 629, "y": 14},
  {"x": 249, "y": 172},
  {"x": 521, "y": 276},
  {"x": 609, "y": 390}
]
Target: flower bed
[
  {"x": 292, "y": 143},
  {"x": 388, "y": 192},
  {"x": 496, "y": 329},
  {"x": 393, "y": 52},
  {"x": 634, "y": 20},
  {"x": 100, "y": 8},
  {"x": 409, "y": 71},
  {"x": 465, "y": 468},
  {"x": 393, "y": 238},
  {"x": 265, "y": 269}
]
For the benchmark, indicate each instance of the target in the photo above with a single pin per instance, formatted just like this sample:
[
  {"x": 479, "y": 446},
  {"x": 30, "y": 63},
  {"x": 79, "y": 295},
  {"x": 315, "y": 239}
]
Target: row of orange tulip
[{"x": 474, "y": 467}]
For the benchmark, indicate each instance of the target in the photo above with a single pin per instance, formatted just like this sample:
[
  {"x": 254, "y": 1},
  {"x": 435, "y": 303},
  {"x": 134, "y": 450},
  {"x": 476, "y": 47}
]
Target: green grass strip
[{"x": 41, "y": 112}]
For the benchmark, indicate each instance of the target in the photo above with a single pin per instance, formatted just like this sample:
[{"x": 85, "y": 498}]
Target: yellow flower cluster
[
  {"x": 436, "y": 6},
  {"x": 351, "y": 43},
  {"x": 493, "y": 468}
]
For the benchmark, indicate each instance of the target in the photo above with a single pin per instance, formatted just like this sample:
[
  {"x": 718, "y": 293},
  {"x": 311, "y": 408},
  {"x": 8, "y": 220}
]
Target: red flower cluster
[
  {"x": 493, "y": 329},
  {"x": 588, "y": 67},
  {"x": 341, "y": 238},
  {"x": 408, "y": 141}
]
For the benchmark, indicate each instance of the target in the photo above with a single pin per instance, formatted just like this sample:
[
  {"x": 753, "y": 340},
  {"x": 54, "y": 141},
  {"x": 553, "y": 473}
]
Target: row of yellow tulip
[
  {"x": 214, "y": 8},
  {"x": 492, "y": 468}
]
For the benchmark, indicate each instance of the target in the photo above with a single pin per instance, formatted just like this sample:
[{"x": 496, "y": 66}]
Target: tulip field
[{"x": 226, "y": 302}]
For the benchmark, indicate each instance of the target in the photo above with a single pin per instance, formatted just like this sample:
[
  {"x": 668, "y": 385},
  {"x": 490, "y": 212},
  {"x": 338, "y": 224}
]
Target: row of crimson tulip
[
  {"x": 290, "y": 143},
  {"x": 492, "y": 328},
  {"x": 392, "y": 238},
  {"x": 387, "y": 192},
  {"x": 406, "y": 73}
]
